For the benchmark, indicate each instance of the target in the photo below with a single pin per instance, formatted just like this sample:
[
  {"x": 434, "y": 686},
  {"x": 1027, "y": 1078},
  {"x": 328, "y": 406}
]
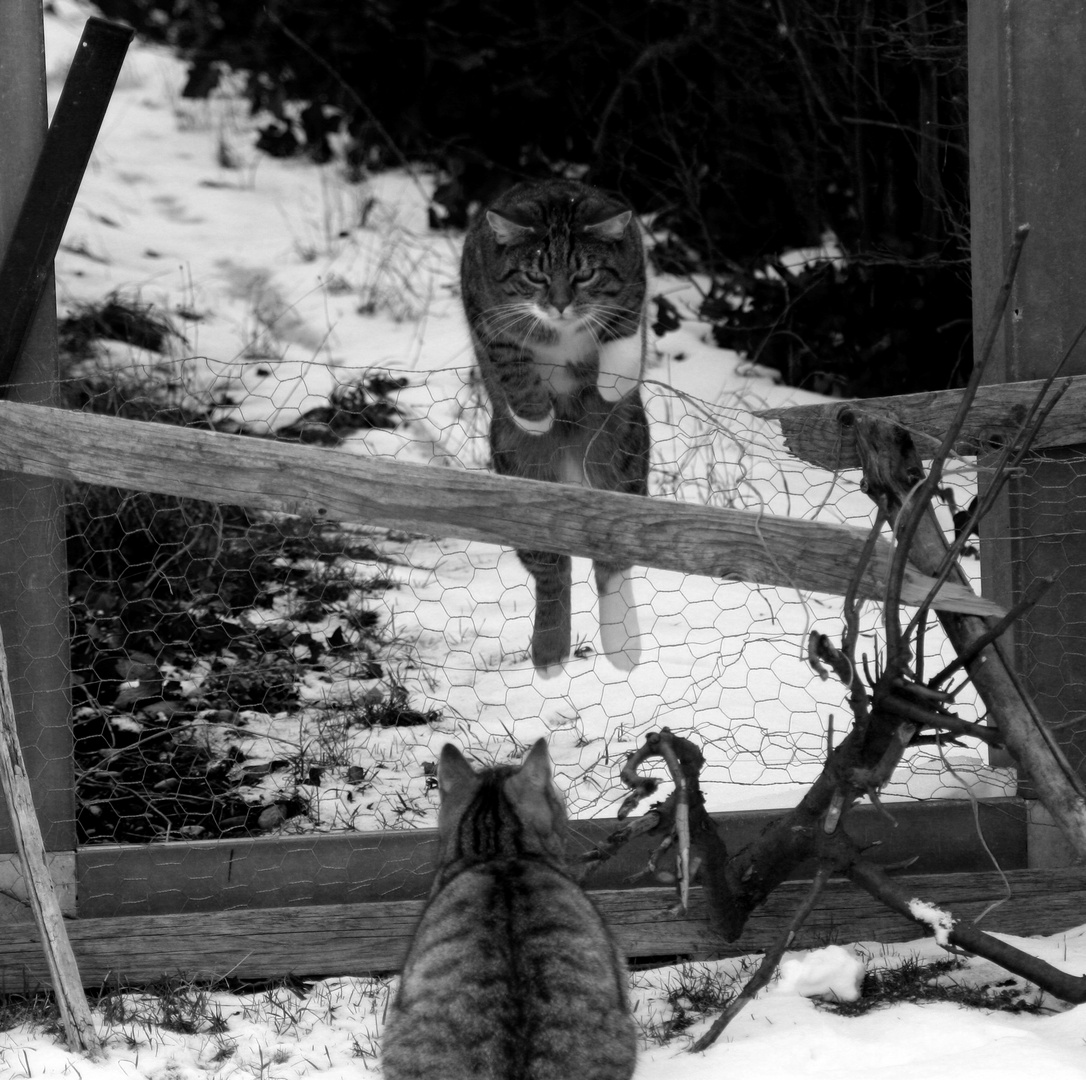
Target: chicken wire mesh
[
  {"x": 1041, "y": 533},
  {"x": 242, "y": 674}
]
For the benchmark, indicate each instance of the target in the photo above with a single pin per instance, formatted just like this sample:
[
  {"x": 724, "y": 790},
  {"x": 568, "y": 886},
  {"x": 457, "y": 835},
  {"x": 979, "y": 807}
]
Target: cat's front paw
[{"x": 534, "y": 427}]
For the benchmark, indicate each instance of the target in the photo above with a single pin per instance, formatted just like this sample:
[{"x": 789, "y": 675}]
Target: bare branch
[
  {"x": 1008, "y": 462},
  {"x": 917, "y": 504},
  {"x": 768, "y": 966},
  {"x": 1070, "y": 988},
  {"x": 968, "y": 655},
  {"x": 682, "y": 819},
  {"x": 619, "y": 839}
]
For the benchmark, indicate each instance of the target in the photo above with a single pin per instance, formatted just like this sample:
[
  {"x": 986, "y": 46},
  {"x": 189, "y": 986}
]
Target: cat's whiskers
[
  {"x": 613, "y": 317},
  {"x": 594, "y": 324},
  {"x": 505, "y": 319}
]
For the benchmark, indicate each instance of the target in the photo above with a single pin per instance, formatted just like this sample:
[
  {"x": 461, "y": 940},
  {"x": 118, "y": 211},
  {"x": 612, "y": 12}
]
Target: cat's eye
[
  {"x": 536, "y": 278},
  {"x": 584, "y": 277}
]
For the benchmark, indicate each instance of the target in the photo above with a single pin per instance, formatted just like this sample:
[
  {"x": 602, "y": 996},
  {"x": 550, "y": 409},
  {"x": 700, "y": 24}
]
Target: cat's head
[
  {"x": 562, "y": 254},
  {"x": 526, "y": 792}
]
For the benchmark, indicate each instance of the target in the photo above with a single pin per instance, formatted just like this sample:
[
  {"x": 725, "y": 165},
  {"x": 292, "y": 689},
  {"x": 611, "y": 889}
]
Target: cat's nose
[{"x": 561, "y": 296}]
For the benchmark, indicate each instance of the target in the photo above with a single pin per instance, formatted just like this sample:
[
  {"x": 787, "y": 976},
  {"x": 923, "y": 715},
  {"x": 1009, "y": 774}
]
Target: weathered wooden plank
[
  {"x": 14, "y": 902},
  {"x": 41, "y": 894},
  {"x": 33, "y": 584},
  {"x": 338, "y": 486},
  {"x": 359, "y": 939},
  {"x": 1026, "y": 102},
  {"x": 159, "y": 879},
  {"x": 816, "y": 433}
]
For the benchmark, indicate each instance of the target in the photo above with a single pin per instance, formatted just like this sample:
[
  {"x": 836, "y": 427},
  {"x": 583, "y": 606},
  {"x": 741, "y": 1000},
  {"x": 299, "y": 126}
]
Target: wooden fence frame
[
  {"x": 270, "y": 907},
  {"x": 312, "y": 905}
]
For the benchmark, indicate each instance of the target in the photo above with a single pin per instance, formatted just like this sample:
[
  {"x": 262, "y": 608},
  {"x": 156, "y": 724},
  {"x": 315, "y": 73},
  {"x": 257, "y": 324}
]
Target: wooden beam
[
  {"x": 816, "y": 433},
  {"x": 41, "y": 893},
  {"x": 33, "y": 578},
  {"x": 1026, "y": 157},
  {"x": 339, "y": 486},
  {"x": 364, "y": 939},
  {"x": 211, "y": 875},
  {"x": 14, "y": 901}
]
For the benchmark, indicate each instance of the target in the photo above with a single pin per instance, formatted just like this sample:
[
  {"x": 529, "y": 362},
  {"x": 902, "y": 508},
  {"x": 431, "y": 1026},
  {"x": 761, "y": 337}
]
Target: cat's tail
[{"x": 551, "y": 631}]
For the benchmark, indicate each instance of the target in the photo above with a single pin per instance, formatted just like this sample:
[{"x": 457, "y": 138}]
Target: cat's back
[{"x": 512, "y": 975}]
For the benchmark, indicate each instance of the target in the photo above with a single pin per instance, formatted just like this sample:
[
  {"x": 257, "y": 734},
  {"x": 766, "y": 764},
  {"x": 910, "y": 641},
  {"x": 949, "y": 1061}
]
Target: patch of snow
[
  {"x": 834, "y": 972},
  {"x": 941, "y": 922}
]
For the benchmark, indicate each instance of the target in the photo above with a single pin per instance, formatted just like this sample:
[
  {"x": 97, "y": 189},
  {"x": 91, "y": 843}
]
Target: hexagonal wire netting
[{"x": 238, "y": 673}]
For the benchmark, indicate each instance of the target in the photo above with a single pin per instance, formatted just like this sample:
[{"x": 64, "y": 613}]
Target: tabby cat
[
  {"x": 512, "y": 974},
  {"x": 553, "y": 283}
]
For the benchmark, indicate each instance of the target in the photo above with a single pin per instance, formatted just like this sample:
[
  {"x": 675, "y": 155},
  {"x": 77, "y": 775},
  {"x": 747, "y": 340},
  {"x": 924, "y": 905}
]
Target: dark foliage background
[{"x": 746, "y": 126}]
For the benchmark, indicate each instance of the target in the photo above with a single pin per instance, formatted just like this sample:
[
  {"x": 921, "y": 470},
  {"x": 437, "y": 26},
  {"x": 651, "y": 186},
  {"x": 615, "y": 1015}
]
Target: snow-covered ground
[
  {"x": 332, "y": 1029},
  {"x": 285, "y": 280}
]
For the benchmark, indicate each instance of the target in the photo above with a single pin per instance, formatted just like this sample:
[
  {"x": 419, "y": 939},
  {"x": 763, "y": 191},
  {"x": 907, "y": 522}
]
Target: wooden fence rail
[
  {"x": 370, "y": 938},
  {"x": 760, "y": 548},
  {"x": 813, "y": 434}
]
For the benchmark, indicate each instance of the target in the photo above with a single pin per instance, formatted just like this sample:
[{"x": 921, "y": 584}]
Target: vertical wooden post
[
  {"x": 33, "y": 590},
  {"x": 1027, "y": 100}
]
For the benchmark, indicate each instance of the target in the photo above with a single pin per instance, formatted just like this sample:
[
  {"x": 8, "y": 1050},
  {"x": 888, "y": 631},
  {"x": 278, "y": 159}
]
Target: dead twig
[
  {"x": 917, "y": 504},
  {"x": 1070, "y": 988},
  {"x": 761, "y": 978},
  {"x": 682, "y": 819},
  {"x": 683, "y": 822},
  {"x": 619, "y": 839},
  {"x": 996, "y": 631},
  {"x": 1008, "y": 463}
]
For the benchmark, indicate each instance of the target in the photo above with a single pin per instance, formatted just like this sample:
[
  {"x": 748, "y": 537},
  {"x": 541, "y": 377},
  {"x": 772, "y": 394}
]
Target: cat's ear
[
  {"x": 539, "y": 804},
  {"x": 506, "y": 231},
  {"x": 614, "y": 228},
  {"x": 453, "y": 769},
  {"x": 535, "y": 769}
]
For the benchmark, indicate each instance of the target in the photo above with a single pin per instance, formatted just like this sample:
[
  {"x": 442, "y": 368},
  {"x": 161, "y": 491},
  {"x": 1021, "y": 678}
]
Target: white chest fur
[
  {"x": 574, "y": 346},
  {"x": 619, "y": 361}
]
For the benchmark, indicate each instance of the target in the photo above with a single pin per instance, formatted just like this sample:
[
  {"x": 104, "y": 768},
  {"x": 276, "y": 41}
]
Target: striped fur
[
  {"x": 512, "y": 974},
  {"x": 553, "y": 284}
]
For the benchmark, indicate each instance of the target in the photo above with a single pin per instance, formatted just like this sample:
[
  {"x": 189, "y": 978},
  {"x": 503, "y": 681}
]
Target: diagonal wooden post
[
  {"x": 27, "y": 266},
  {"x": 74, "y": 1010}
]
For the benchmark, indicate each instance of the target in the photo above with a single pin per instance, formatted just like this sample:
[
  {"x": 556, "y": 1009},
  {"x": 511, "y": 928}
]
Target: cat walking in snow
[{"x": 553, "y": 283}]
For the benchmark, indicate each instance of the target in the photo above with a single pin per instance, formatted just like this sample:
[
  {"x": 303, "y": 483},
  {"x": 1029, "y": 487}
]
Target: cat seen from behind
[
  {"x": 553, "y": 285},
  {"x": 512, "y": 974}
]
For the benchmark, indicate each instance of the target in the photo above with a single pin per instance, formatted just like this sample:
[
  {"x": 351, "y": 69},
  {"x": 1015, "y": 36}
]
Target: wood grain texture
[
  {"x": 213, "y": 875},
  {"x": 338, "y": 486},
  {"x": 815, "y": 433},
  {"x": 361, "y": 939},
  {"x": 14, "y": 902},
  {"x": 33, "y": 580},
  {"x": 57, "y": 957}
]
